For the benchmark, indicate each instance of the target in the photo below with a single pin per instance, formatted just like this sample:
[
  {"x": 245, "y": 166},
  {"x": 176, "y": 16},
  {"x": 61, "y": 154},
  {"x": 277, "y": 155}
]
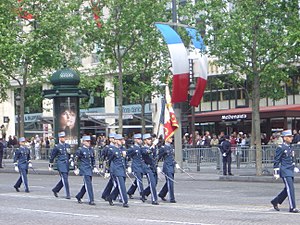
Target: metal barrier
[{"x": 242, "y": 156}]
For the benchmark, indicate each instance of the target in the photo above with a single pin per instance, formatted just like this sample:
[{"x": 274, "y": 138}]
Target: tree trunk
[
  {"x": 256, "y": 123},
  {"x": 120, "y": 96},
  {"x": 143, "y": 122}
]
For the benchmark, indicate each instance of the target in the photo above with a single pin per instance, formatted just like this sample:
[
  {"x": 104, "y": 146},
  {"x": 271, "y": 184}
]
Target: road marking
[
  {"x": 61, "y": 213},
  {"x": 173, "y": 222}
]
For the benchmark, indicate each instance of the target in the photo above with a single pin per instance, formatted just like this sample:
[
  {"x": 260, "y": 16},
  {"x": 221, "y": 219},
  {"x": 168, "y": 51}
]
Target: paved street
[{"x": 207, "y": 200}]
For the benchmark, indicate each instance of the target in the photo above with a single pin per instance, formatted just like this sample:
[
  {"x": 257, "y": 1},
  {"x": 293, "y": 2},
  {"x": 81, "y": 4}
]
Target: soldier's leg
[
  {"x": 122, "y": 189},
  {"x": 152, "y": 185},
  {"x": 171, "y": 186},
  {"x": 107, "y": 190},
  {"x": 289, "y": 184},
  {"x": 59, "y": 185},
  {"x": 65, "y": 182},
  {"x": 89, "y": 188},
  {"x": 24, "y": 179}
]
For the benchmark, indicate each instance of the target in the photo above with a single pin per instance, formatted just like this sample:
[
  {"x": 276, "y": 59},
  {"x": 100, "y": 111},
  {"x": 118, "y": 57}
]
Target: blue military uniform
[
  {"x": 150, "y": 158},
  {"x": 167, "y": 152},
  {"x": 61, "y": 152},
  {"x": 284, "y": 163},
  {"x": 135, "y": 154},
  {"x": 86, "y": 160},
  {"x": 21, "y": 159},
  {"x": 226, "y": 156},
  {"x": 104, "y": 157},
  {"x": 118, "y": 173},
  {"x": 148, "y": 170}
]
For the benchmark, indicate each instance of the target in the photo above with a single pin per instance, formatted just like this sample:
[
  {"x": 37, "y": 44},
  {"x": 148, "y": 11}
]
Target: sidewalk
[{"x": 207, "y": 172}]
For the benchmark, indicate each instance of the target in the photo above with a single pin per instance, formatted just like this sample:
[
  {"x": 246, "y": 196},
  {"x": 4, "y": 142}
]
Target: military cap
[
  {"x": 86, "y": 138},
  {"x": 136, "y": 136},
  {"x": 286, "y": 133},
  {"x": 22, "y": 139},
  {"x": 147, "y": 136},
  {"x": 61, "y": 134}
]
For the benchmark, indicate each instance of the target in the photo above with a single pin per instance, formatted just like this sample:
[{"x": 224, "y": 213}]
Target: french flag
[
  {"x": 200, "y": 66},
  {"x": 180, "y": 63}
]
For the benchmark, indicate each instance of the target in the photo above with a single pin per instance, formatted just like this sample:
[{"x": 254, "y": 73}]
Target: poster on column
[{"x": 68, "y": 118}]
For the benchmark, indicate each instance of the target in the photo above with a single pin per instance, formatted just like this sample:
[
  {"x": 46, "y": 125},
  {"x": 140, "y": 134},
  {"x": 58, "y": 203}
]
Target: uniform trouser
[
  {"x": 138, "y": 183},
  {"x": 168, "y": 187},
  {"x": 87, "y": 187},
  {"x": 288, "y": 191},
  {"x": 1, "y": 157},
  {"x": 119, "y": 188},
  {"x": 108, "y": 188},
  {"x": 22, "y": 178},
  {"x": 227, "y": 164},
  {"x": 63, "y": 183},
  {"x": 152, "y": 185},
  {"x": 147, "y": 191}
]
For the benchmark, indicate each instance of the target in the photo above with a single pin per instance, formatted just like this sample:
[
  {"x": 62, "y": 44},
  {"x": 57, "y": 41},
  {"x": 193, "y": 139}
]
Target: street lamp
[
  {"x": 191, "y": 93},
  {"x": 18, "y": 104}
]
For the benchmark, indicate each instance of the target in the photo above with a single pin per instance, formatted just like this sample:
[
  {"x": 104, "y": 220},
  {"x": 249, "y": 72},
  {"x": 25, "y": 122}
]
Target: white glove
[
  {"x": 17, "y": 169},
  {"x": 50, "y": 168},
  {"x": 276, "y": 173},
  {"x": 76, "y": 171},
  {"x": 107, "y": 175},
  {"x": 158, "y": 169},
  {"x": 296, "y": 170},
  {"x": 224, "y": 154},
  {"x": 72, "y": 163},
  {"x": 155, "y": 142},
  {"x": 129, "y": 170},
  {"x": 95, "y": 170},
  {"x": 177, "y": 166},
  {"x": 124, "y": 154},
  {"x": 30, "y": 165}
]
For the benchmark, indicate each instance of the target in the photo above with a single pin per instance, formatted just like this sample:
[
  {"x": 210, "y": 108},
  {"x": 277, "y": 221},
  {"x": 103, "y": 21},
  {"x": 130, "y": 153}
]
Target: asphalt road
[{"x": 204, "y": 202}]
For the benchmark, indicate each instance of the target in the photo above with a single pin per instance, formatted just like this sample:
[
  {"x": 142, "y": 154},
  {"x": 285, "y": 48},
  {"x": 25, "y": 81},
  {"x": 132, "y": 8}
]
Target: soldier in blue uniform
[
  {"x": 104, "y": 165},
  {"x": 22, "y": 162},
  {"x": 284, "y": 167},
  {"x": 226, "y": 155},
  {"x": 150, "y": 166},
  {"x": 167, "y": 152},
  {"x": 61, "y": 152},
  {"x": 117, "y": 169},
  {"x": 85, "y": 159},
  {"x": 134, "y": 153}
]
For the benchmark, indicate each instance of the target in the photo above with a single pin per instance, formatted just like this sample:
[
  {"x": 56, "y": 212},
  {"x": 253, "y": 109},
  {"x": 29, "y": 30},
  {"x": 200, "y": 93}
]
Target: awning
[{"x": 246, "y": 113}]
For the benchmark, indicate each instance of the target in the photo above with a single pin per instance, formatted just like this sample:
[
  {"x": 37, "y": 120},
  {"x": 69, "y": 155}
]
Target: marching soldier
[
  {"x": 284, "y": 167},
  {"x": 167, "y": 152},
  {"x": 61, "y": 152},
  {"x": 104, "y": 165},
  {"x": 150, "y": 166},
  {"x": 22, "y": 163},
  {"x": 134, "y": 153},
  {"x": 85, "y": 159},
  {"x": 117, "y": 169}
]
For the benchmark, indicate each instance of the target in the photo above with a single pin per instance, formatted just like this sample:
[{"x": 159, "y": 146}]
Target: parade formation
[{"x": 116, "y": 163}]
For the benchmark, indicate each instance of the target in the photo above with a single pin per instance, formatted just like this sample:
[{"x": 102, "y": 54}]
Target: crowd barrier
[{"x": 242, "y": 157}]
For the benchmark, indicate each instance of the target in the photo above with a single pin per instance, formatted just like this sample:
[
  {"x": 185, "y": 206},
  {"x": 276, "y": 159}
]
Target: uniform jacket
[
  {"x": 22, "y": 156},
  {"x": 167, "y": 152},
  {"x": 135, "y": 153},
  {"x": 86, "y": 159},
  {"x": 149, "y": 155},
  {"x": 62, "y": 153},
  {"x": 226, "y": 147},
  {"x": 284, "y": 160},
  {"x": 103, "y": 157},
  {"x": 117, "y": 162}
]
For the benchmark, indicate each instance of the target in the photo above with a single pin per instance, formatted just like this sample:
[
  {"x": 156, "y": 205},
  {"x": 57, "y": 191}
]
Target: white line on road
[
  {"x": 62, "y": 213},
  {"x": 173, "y": 222}
]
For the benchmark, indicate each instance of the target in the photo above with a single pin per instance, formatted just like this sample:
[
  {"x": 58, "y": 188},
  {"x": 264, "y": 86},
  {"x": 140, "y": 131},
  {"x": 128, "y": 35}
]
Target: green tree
[
  {"x": 129, "y": 45},
  {"x": 256, "y": 38},
  {"x": 37, "y": 37}
]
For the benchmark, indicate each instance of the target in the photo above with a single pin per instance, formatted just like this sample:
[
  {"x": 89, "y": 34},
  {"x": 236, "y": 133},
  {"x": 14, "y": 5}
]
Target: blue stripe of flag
[
  {"x": 196, "y": 38},
  {"x": 169, "y": 34}
]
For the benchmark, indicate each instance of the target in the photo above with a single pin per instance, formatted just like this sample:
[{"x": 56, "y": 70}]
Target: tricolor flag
[
  {"x": 200, "y": 67},
  {"x": 180, "y": 63},
  {"x": 168, "y": 119},
  {"x": 96, "y": 12},
  {"x": 23, "y": 14}
]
